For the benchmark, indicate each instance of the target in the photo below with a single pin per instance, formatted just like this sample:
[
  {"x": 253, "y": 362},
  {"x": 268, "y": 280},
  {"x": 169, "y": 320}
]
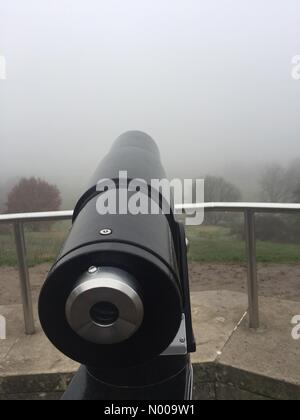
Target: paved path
[{"x": 231, "y": 361}]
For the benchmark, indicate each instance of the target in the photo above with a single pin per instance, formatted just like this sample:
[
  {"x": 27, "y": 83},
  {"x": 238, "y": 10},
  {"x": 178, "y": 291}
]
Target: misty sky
[{"x": 210, "y": 80}]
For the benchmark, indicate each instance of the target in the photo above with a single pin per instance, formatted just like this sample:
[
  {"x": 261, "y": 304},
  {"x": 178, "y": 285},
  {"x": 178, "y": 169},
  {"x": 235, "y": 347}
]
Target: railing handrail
[
  {"x": 248, "y": 209},
  {"x": 36, "y": 217},
  {"x": 241, "y": 207},
  {"x": 217, "y": 206}
]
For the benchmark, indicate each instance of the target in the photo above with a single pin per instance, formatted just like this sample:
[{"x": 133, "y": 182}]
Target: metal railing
[
  {"x": 248, "y": 209},
  {"x": 18, "y": 221}
]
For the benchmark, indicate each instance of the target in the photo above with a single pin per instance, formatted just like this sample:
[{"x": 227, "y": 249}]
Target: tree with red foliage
[{"x": 34, "y": 195}]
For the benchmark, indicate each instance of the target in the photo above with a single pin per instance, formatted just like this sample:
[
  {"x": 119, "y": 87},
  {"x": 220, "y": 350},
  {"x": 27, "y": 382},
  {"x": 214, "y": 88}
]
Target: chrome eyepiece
[{"x": 105, "y": 307}]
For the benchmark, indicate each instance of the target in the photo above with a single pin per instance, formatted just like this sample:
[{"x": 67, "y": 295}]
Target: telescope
[{"x": 117, "y": 299}]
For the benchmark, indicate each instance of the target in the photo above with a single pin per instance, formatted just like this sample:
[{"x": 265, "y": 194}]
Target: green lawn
[
  {"x": 207, "y": 244},
  {"x": 42, "y": 247},
  {"x": 216, "y": 244}
]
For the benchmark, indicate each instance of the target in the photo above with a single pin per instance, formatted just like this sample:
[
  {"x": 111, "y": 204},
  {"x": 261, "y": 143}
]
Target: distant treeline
[{"x": 275, "y": 184}]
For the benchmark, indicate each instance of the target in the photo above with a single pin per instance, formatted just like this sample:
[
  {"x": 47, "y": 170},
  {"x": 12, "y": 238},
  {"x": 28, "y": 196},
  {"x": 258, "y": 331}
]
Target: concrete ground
[
  {"x": 275, "y": 280},
  {"x": 231, "y": 362}
]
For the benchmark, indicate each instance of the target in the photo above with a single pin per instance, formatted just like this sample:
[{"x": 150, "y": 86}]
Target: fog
[{"x": 210, "y": 81}]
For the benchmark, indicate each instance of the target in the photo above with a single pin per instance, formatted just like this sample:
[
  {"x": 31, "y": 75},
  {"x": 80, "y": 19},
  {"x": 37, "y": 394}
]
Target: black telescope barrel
[
  {"x": 135, "y": 152},
  {"x": 137, "y": 139},
  {"x": 142, "y": 245}
]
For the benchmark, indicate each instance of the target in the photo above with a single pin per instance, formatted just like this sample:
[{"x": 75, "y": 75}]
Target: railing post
[
  {"x": 24, "y": 278},
  {"x": 252, "y": 269}
]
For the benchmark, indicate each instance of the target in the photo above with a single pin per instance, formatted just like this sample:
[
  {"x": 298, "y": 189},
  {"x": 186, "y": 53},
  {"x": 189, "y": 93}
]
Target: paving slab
[
  {"x": 216, "y": 314},
  {"x": 270, "y": 352},
  {"x": 231, "y": 362},
  {"x": 22, "y": 354}
]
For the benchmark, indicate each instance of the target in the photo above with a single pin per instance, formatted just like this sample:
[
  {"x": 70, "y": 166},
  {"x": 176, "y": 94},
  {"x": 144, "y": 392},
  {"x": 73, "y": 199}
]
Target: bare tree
[
  {"x": 279, "y": 185},
  {"x": 293, "y": 180},
  {"x": 274, "y": 185},
  {"x": 2, "y": 198},
  {"x": 217, "y": 189},
  {"x": 297, "y": 194}
]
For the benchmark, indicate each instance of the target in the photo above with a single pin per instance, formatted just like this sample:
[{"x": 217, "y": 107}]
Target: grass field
[
  {"x": 207, "y": 244},
  {"x": 42, "y": 247},
  {"x": 217, "y": 244}
]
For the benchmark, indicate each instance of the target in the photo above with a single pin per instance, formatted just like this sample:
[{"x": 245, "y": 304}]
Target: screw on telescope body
[{"x": 105, "y": 232}]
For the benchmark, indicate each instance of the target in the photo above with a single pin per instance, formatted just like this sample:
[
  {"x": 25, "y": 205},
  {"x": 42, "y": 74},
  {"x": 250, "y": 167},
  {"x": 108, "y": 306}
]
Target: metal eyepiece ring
[{"x": 104, "y": 307}]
